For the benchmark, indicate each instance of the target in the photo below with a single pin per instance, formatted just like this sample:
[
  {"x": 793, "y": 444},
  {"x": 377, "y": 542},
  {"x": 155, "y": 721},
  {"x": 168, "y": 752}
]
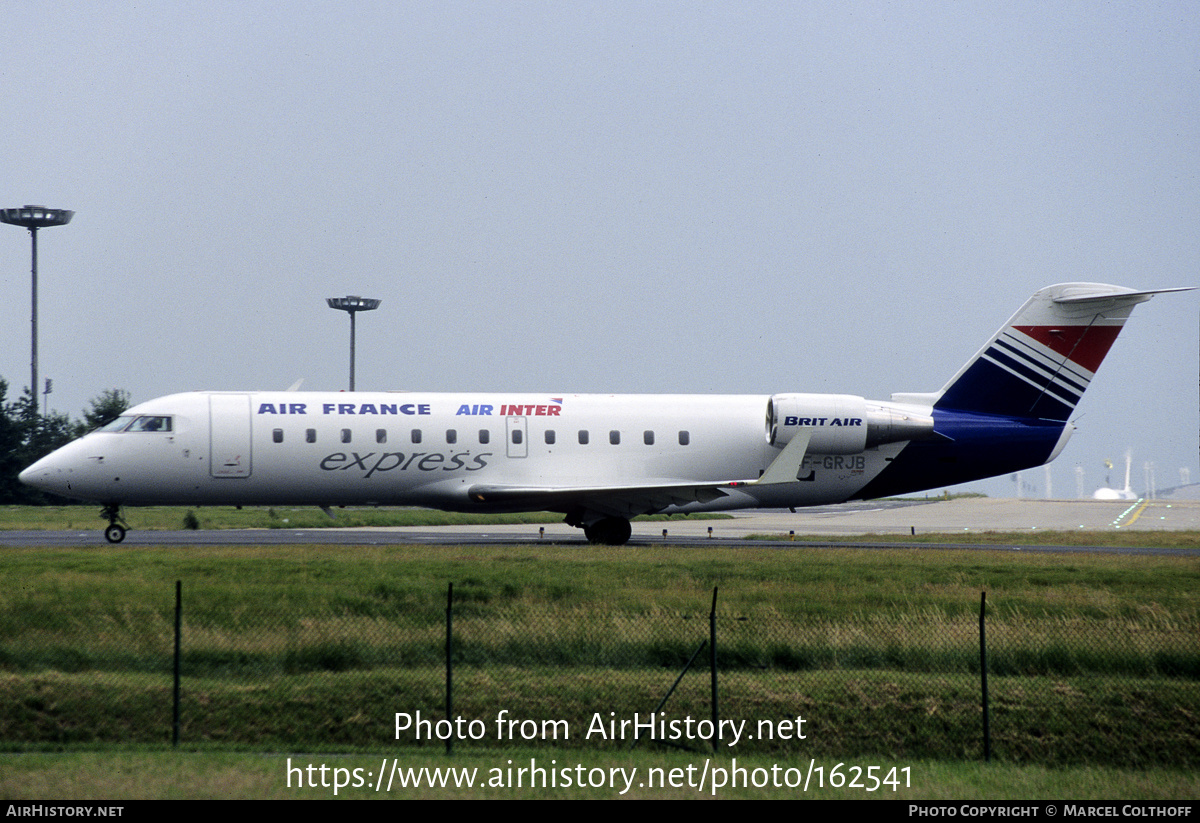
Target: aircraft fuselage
[
  {"x": 395, "y": 448},
  {"x": 602, "y": 459}
]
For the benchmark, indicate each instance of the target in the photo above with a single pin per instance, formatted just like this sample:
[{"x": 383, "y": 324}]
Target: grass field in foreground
[
  {"x": 44, "y": 586},
  {"x": 134, "y": 775},
  {"x": 102, "y": 606}
]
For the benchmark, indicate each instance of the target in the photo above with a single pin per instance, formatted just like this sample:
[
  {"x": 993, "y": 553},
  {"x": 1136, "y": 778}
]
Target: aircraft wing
[
  {"x": 609, "y": 501},
  {"x": 630, "y": 501}
]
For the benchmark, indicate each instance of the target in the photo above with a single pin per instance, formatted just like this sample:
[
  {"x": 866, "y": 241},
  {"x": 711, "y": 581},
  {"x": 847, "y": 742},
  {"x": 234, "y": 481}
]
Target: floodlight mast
[
  {"x": 34, "y": 218},
  {"x": 351, "y": 305}
]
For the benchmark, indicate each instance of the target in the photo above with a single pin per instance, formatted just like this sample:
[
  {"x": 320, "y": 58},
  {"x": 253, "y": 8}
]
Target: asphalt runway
[{"x": 840, "y": 525}]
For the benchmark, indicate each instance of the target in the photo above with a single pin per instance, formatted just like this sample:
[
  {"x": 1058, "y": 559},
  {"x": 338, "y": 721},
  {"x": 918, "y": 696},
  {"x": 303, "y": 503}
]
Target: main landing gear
[
  {"x": 117, "y": 527},
  {"x": 611, "y": 531}
]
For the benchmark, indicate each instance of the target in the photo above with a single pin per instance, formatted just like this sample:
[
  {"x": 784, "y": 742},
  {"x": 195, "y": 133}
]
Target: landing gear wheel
[
  {"x": 611, "y": 531},
  {"x": 115, "y": 532}
]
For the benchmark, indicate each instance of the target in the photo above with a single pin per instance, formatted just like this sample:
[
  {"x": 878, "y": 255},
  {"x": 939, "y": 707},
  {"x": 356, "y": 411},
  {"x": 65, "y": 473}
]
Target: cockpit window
[
  {"x": 150, "y": 423},
  {"x": 134, "y": 423},
  {"x": 116, "y": 425}
]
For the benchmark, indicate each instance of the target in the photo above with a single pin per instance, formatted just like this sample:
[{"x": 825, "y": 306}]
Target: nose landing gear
[{"x": 117, "y": 527}]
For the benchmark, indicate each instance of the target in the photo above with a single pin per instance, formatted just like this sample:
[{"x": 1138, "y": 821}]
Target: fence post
[
  {"x": 178, "y": 634},
  {"x": 670, "y": 691},
  {"x": 449, "y": 664},
  {"x": 712, "y": 658},
  {"x": 987, "y": 735}
]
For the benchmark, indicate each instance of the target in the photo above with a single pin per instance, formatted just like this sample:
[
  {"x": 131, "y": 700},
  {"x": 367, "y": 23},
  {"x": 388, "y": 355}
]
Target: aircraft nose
[
  {"x": 78, "y": 470},
  {"x": 53, "y": 473},
  {"x": 41, "y": 475}
]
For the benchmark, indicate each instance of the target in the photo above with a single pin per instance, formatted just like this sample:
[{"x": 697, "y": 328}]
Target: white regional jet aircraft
[{"x": 602, "y": 459}]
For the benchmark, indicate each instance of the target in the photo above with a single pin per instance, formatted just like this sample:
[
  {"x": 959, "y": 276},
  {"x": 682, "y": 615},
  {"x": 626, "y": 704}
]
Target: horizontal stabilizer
[{"x": 1086, "y": 295}]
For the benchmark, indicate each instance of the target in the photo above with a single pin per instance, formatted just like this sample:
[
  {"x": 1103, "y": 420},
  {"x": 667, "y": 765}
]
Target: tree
[
  {"x": 26, "y": 436},
  {"x": 12, "y": 447},
  {"x": 30, "y": 437},
  {"x": 105, "y": 408}
]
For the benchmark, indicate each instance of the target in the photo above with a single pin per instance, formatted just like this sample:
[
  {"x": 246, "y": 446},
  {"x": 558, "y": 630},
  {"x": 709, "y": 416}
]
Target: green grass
[
  {"x": 1124, "y": 539},
  {"x": 1094, "y": 658},
  {"x": 124, "y": 775},
  {"x": 45, "y": 586},
  {"x": 158, "y": 518},
  {"x": 1132, "y": 722}
]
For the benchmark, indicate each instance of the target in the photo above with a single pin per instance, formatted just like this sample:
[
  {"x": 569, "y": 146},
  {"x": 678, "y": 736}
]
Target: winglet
[{"x": 786, "y": 467}]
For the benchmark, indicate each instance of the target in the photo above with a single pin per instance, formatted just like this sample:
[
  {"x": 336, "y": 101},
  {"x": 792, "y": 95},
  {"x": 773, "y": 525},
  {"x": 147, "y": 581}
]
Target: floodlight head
[
  {"x": 36, "y": 217},
  {"x": 353, "y": 303}
]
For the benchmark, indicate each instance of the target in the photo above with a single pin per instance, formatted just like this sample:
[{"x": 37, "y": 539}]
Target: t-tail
[
  {"x": 1040, "y": 363},
  {"x": 1008, "y": 408}
]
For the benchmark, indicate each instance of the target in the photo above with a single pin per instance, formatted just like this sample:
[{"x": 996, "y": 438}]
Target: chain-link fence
[{"x": 896, "y": 683}]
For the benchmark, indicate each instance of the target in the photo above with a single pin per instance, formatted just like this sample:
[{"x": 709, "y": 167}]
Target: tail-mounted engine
[{"x": 842, "y": 423}]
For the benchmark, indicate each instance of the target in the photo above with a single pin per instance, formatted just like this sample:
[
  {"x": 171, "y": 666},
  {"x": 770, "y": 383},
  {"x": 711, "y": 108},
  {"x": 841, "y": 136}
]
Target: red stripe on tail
[{"x": 1085, "y": 345}]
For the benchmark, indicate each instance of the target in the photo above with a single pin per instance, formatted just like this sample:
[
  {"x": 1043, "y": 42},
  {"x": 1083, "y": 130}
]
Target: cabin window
[
  {"x": 583, "y": 437},
  {"x": 451, "y": 436},
  {"x": 381, "y": 435},
  {"x": 648, "y": 438},
  {"x": 684, "y": 438},
  {"x": 549, "y": 437},
  {"x": 345, "y": 435},
  {"x": 484, "y": 436},
  {"x": 310, "y": 435},
  {"x": 277, "y": 435},
  {"x": 518, "y": 437},
  {"x": 416, "y": 435},
  {"x": 614, "y": 437}
]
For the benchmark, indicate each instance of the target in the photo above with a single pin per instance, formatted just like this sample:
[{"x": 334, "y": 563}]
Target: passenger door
[{"x": 229, "y": 435}]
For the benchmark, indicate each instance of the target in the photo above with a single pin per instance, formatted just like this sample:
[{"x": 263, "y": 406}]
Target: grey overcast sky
[{"x": 693, "y": 197}]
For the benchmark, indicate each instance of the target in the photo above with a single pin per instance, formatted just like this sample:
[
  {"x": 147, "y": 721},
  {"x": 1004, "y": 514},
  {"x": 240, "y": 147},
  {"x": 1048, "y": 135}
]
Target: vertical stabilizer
[{"x": 1039, "y": 364}]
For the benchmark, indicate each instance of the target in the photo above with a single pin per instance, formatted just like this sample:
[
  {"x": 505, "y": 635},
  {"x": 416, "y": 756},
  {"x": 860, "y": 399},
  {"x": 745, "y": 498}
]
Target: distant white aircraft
[
  {"x": 1127, "y": 493},
  {"x": 602, "y": 459}
]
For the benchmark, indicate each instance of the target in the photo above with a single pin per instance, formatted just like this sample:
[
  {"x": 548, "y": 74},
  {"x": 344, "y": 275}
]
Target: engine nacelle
[{"x": 842, "y": 423}]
